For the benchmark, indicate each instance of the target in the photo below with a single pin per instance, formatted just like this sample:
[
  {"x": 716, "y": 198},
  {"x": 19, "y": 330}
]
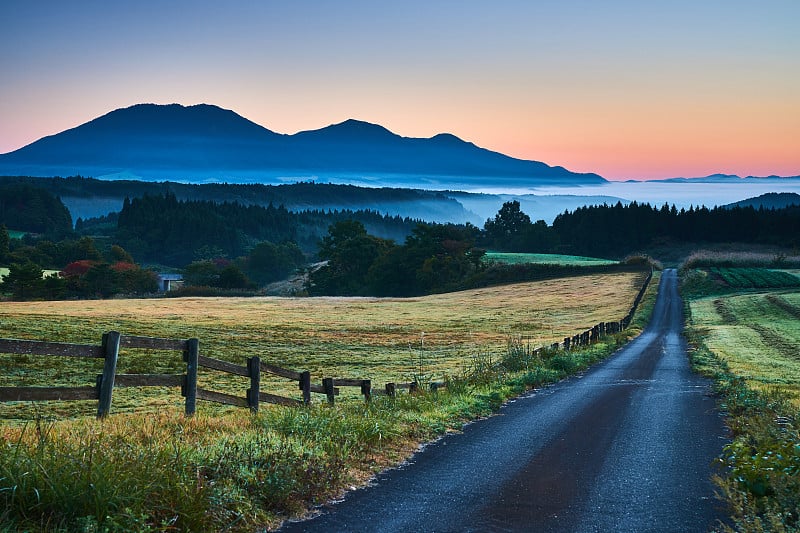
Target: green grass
[
  {"x": 756, "y": 335},
  {"x": 546, "y": 259},
  {"x": 227, "y": 470},
  {"x": 755, "y": 278},
  {"x": 750, "y": 343}
]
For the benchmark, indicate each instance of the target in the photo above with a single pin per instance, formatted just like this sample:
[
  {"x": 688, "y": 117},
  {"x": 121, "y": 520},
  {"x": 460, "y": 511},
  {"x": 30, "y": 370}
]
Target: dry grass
[{"x": 383, "y": 339}]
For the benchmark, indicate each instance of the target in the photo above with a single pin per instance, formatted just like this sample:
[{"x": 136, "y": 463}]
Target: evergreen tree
[
  {"x": 5, "y": 243},
  {"x": 24, "y": 281}
]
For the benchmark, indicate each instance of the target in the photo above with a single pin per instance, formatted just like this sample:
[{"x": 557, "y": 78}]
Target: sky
[{"x": 627, "y": 89}]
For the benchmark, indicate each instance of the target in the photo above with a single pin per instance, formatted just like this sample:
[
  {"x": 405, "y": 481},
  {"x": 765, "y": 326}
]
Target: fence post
[
  {"x": 191, "y": 356},
  {"x": 254, "y": 369},
  {"x": 111, "y": 352},
  {"x": 366, "y": 389},
  {"x": 566, "y": 343},
  {"x": 390, "y": 390},
  {"x": 412, "y": 387},
  {"x": 327, "y": 386},
  {"x": 305, "y": 386}
]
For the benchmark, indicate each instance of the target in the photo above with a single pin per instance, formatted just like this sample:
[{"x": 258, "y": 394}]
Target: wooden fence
[
  {"x": 111, "y": 343},
  {"x": 593, "y": 334},
  {"x": 108, "y": 350}
]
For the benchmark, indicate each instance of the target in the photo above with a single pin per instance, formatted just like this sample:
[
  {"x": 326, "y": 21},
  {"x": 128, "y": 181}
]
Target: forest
[{"x": 229, "y": 245}]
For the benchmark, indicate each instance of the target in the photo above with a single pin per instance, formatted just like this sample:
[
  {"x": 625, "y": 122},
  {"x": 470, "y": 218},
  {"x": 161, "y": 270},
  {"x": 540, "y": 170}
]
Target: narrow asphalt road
[{"x": 626, "y": 446}]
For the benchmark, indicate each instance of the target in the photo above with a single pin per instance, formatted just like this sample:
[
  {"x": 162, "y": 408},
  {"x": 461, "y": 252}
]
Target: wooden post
[
  {"x": 191, "y": 356},
  {"x": 566, "y": 343},
  {"x": 327, "y": 385},
  {"x": 391, "y": 390},
  {"x": 254, "y": 367},
  {"x": 305, "y": 386},
  {"x": 111, "y": 352},
  {"x": 412, "y": 387},
  {"x": 366, "y": 389}
]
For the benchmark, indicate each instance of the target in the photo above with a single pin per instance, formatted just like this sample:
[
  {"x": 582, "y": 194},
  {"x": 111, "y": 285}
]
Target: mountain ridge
[
  {"x": 716, "y": 178},
  {"x": 770, "y": 200},
  {"x": 206, "y": 142}
]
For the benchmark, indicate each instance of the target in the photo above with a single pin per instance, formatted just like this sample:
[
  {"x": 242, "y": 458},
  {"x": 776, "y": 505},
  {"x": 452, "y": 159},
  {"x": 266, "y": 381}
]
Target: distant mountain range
[
  {"x": 205, "y": 143},
  {"x": 722, "y": 178}
]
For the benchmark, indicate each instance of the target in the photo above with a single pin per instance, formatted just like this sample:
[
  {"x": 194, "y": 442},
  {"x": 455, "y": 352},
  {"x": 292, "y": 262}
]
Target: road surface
[{"x": 626, "y": 446}]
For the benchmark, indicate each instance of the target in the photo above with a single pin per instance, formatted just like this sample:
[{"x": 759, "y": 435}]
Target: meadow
[
  {"x": 511, "y": 258},
  {"x": 383, "y": 339},
  {"x": 748, "y": 339},
  {"x": 149, "y": 468},
  {"x": 757, "y": 336}
]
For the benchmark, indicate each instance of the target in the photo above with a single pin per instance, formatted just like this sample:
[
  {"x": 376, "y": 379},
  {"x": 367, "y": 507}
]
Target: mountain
[
  {"x": 206, "y": 143},
  {"x": 770, "y": 200},
  {"x": 721, "y": 178}
]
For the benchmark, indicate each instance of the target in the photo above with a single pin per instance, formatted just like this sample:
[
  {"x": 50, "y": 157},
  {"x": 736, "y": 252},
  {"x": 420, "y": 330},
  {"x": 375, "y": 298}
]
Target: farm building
[{"x": 169, "y": 282}]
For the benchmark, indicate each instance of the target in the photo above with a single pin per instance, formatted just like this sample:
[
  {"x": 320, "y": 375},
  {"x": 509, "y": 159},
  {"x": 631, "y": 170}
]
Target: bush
[{"x": 642, "y": 260}]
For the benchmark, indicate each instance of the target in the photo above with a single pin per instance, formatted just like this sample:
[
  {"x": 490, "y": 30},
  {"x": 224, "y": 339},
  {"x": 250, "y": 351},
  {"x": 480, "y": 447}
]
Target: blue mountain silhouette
[{"x": 201, "y": 142}]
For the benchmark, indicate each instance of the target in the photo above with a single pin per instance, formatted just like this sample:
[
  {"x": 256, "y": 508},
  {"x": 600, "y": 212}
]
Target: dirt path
[{"x": 627, "y": 446}]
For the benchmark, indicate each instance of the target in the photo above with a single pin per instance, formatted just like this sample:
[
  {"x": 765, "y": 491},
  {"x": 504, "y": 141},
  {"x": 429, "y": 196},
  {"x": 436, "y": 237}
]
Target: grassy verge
[
  {"x": 749, "y": 344},
  {"x": 229, "y": 470}
]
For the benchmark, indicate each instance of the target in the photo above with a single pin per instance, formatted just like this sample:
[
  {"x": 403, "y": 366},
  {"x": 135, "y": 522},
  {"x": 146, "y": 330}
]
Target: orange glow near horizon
[{"x": 625, "y": 89}]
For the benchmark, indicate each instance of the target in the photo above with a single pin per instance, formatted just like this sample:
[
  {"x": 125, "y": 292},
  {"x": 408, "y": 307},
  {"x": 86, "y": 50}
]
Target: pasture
[
  {"x": 511, "y": 258},
  {"x": 748, "y": 339},
  {"x": 383, "y": 339},
  {"x": 757, "y": 335},
  {"x": 754, "y": 278}
]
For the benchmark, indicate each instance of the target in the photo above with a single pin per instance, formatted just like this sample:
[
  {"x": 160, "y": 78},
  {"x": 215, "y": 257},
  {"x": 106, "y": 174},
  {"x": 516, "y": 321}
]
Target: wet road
[{"x": 626, "y": 446}]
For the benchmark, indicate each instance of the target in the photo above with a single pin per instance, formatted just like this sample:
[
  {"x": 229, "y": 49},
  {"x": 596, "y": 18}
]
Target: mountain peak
[
  {"x": 206, "y": 142},
  {"x": 352, "y": 130},
  {"x": 200, "y": 120}
]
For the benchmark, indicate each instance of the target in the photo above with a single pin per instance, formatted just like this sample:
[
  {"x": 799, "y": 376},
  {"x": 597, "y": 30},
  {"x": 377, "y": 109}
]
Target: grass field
[
  {"x": 749, "y": 342},
  {"x": 754, "y": 278},
  {"x": 757, "y": 335},
  {"x": 546, "y": 259},
  {"x": 379, "y": 339}
]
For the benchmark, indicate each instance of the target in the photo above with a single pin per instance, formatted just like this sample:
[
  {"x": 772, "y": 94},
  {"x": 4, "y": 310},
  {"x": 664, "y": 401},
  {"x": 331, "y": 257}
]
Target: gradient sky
[{"x": 627, "y": 89}]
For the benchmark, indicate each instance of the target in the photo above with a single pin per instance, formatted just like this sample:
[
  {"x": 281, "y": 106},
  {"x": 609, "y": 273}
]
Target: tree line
[{"x": 227, "y": 245}]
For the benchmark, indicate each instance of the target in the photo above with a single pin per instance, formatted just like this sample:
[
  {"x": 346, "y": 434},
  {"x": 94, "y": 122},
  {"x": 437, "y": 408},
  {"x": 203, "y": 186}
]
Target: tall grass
[{"x": 707, "y": 258}]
